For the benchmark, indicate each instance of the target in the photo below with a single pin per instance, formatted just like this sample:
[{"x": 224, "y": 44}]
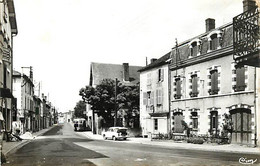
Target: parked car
[
  {"x": 79, "y": 124},
  {"x": 115, "y": 133}
]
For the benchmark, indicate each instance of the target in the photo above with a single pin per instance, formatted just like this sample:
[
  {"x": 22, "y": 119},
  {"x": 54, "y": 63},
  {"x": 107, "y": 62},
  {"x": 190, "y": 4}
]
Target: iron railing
[{"x": 246, "y": 33}]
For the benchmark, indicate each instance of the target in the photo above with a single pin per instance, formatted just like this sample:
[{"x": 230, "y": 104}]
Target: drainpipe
[{"x": 255, "y": 107}]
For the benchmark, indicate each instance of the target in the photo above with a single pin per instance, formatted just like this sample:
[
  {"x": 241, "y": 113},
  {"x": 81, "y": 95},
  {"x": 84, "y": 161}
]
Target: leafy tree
[
  {"x": 79, "y": 109},
  {"x": 102, "y": 99}
]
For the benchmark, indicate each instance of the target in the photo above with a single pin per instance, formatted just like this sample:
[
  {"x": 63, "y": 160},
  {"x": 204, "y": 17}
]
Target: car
[{"x": 115, "y": 133}]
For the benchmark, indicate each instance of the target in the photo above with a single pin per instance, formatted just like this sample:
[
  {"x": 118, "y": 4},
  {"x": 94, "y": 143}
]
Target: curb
[
  {"x": 24, "y": 142},
  {"x": 181, "y": 147}
]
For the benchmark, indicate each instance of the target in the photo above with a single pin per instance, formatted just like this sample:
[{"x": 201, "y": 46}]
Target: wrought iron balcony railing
[{"x": 246, "y": 35}]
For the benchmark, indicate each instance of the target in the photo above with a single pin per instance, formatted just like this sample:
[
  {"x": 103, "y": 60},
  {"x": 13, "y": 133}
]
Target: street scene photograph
[{"x": 129, "y": 83}]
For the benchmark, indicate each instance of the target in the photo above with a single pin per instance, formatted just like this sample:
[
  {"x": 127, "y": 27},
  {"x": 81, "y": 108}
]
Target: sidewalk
[
  {"x": 233, "y": 148},
  {"x": 8, "y": 146}
]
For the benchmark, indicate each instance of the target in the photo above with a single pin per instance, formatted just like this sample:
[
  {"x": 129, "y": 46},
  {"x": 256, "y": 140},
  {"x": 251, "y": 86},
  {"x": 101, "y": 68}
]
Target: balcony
[{"x": 246, "y": 43}]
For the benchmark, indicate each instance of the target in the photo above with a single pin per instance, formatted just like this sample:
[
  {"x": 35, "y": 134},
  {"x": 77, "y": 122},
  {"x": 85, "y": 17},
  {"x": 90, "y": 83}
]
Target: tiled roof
[
  {"x": 161, "y": 61},
  {"x": 100, "y": 71}
]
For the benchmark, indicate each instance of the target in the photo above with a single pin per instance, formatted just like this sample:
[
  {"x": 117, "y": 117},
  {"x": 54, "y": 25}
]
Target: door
[{"x": 241, "y": 119}]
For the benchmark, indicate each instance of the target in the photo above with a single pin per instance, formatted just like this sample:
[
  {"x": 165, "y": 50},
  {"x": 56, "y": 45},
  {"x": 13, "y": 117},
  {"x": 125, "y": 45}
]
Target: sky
[{"x": 60, "y": 38}]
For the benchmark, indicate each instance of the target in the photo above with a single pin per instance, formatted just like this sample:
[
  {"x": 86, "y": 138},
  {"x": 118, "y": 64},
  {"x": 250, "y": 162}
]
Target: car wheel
[
  {"x": 114, "y": 138},
  {"x": 104, "y": 136},
  {"x": 124, "y": 138}
]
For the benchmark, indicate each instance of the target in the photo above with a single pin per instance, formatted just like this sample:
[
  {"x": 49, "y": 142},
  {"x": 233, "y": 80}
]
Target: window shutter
[
  {"x": 161, "y": 96},
  {"x": 178, "y": 86},
  {"x": 240, "y": 81},
  {"x": 156, "y": 96},
  {"x": 159, "y": 74},
  {"x": 162, "y": 74},
  {"x": 152, "y": 98},
  {"x": 144, "y": 98},
  {"x": 194, "y": 84}
]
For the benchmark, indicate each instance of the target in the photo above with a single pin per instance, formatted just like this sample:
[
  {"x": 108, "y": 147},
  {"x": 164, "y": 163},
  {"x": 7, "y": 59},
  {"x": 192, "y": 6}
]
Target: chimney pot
[
  {"x": 126, "y": 71},
  {"x": 210, "y": 24},
  {"x": 153, "y": 60},
  {"x": 248, "y": 5}
]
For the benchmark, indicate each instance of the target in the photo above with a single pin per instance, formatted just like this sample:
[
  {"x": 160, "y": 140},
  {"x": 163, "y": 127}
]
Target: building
[
  {"x": 8, "y": 29},
  {"x": 23, "y": 90},
  {"x": 154, "y": 97},
  {"x": 124, "y": 73},
  {"x": 207, "y": 84}
]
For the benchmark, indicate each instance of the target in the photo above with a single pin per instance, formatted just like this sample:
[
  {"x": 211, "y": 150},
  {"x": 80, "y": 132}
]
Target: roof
[
  {"x": 16, "y": 73},
  {"x": 100, "y": 71},
  {"x": 12, "y": 16},
  {"x": 161, "y": 61}
]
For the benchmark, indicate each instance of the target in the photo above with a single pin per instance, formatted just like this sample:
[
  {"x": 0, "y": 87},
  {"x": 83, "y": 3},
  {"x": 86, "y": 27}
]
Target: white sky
[{"x": 60, "y": 38}]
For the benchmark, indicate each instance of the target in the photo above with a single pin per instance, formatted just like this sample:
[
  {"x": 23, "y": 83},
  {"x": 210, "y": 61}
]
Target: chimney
[
  {"x": 125, "y": 71},
  {"x": 210, "y": 24},
  {"x": 248, "y": 5},
  {"x": 31, "y": 73},
  {"x": 153, "y": 60}
]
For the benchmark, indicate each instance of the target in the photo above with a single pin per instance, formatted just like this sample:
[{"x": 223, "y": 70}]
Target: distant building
[
  {"x": 23, "y": 90},
  {"x": 124, "y": 73}
]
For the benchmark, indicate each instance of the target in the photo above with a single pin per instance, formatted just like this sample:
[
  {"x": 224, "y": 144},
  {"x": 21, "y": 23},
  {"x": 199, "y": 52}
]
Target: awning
[
  {"x": 159, "y": 114},
  {"x": 5, "y": 93}
]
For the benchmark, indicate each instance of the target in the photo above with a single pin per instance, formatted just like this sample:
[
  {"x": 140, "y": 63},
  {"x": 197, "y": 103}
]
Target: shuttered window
[
  {"x": 178, "y": 88},
  {"x": 159, "y": 96},
  {"x": 213, "y": 122},
  {"x": 194, "y": 81},
  {"x": 214, "y": 82},
  {"x": 194, "y": 49},
  {"x": 214, "y": 42},
  {"x": 152, "y": 98},
  {"x": 240, "y": 79},
  {"x": 160, "y": 75}
]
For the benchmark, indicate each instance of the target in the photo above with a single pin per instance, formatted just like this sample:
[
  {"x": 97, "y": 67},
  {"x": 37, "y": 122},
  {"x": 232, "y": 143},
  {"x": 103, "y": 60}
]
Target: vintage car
[{"x": 115, "y": 133}]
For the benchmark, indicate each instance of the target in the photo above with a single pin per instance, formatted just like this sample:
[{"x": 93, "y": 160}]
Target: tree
[
  {"x": 102, "y": 99},
  {"x": 79, "y": 109}
]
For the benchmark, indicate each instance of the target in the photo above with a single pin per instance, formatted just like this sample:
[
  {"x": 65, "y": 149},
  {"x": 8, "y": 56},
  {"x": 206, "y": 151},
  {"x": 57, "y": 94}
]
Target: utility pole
[{"x": 115, "y": 120}]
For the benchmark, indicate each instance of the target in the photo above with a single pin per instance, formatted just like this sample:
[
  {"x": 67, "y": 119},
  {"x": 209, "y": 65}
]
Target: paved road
[{"x": 63, "y": 146}]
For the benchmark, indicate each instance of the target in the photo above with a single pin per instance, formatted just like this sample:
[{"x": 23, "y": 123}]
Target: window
[
  {"x": 159, "y": 97},
  {"x": 240, "y": 79},
  {"x": 144, "y": 98},
  {"x": 5, "y": 77},
  {"x": 160, "y": 75},
  {"x": 149, "y": 81},
  {"x": 213, "y": 42},
  {"x": 178, "y": 88},
  {"x": 213, "y": 122},
  {"x": 155, "y": 124},
  {"x": 213, "y": 82},
  {"x": 194, "y": 87},
  {"x": 194, "y": 120}
]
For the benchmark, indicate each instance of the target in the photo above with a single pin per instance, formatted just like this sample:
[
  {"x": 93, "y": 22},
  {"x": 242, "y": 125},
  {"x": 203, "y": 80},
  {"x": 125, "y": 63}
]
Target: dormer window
[
  {"x": 195, "y": 48},
  {"x": 214, "y": 40}
]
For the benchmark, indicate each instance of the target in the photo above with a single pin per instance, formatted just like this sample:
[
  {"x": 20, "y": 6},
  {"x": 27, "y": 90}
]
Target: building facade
[
  {"x": 154, "y": 97},
  {"x": 207, "y": 84},
  {"x": 8, "y": 29}
]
